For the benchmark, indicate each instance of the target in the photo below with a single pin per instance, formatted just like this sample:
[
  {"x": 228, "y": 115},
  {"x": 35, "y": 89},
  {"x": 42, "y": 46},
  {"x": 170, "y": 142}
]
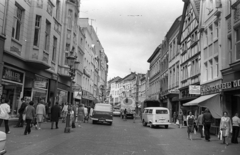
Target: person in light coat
[
  {"x": 41, "y": 113},
  {"x": 5, "y": 109}
]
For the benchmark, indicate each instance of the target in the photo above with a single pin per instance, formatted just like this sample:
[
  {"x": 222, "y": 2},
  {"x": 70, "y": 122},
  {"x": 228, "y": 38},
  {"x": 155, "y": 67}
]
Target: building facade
[{"x": 154, "y": 74}]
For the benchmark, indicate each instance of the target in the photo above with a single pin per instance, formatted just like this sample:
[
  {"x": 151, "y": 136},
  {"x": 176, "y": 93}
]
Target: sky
[{"x": 130, "y": 30}]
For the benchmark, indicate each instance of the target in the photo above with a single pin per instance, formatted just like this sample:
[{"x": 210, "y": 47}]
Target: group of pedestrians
[{"x": 229, "y": 127}]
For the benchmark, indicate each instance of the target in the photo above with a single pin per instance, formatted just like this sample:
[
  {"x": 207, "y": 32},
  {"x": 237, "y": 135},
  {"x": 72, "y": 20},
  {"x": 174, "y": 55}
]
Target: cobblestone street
[{"x": 122, "y": 138}]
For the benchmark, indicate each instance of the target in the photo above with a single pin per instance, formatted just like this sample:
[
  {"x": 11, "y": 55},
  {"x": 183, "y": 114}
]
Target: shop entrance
[{"x": 235, "y": 104}]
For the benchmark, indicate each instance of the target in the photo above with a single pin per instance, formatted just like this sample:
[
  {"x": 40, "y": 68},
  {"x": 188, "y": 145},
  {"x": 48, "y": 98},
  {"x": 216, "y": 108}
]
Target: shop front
[
  {"x": 12, "y": 87},
  {"x": 77, "y": 95}
]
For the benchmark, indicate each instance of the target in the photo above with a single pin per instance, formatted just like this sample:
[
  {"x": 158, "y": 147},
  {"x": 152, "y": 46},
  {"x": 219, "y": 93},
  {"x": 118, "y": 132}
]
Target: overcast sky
[{"x": 130, "y": 30}]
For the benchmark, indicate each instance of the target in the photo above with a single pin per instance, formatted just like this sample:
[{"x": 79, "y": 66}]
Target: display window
[
  {"x": 12, "y": 87},
  {"x": 62, "y": 96}
]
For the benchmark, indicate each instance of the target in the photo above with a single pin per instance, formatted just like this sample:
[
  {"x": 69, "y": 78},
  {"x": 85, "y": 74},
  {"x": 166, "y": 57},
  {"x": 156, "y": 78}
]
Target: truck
[{"x": 129, "y": 104}]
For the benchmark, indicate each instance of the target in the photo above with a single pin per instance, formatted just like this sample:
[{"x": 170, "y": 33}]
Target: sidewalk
[{"x": 17, "y": 140}]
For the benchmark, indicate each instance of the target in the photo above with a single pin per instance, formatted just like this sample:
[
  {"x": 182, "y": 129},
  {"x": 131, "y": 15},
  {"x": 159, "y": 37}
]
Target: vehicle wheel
[
  {"x": 166, "y": 126},
  {"x": 151, "y": 125}
]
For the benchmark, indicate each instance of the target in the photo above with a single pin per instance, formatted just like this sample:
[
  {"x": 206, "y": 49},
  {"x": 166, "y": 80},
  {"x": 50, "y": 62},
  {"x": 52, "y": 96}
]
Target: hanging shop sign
[
  {"x": 12, "y": 75},
  {"x": 77, "y": 95},
  {"x": 194, "y": 89},
  {"x": 40, "y": 82}
]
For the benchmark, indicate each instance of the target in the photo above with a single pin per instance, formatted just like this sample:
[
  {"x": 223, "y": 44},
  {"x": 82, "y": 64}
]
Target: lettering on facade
[
  {"x": 12, "y": 75},
  {"x": 40, "y": 82}
]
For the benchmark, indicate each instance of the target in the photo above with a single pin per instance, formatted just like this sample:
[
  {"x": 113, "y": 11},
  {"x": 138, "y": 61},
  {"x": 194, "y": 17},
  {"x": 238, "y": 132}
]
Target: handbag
[
  {"x": 195, "y": 132},
  {"x": 24, "y": 117},
  {"x": 177, "y": 122}
]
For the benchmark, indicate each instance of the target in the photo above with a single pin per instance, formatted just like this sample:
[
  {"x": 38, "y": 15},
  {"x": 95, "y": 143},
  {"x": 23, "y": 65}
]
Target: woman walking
[
  {"x": 225, "y": 127},
  {"x": 81, "y": 114},
  {"x": 30, "y": 113},
  {"x": 4, "y": 115},
  {"x": 190, "y": 125}
]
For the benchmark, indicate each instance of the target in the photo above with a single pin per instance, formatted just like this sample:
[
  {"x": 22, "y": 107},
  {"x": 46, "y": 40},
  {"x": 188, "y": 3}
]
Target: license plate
[{"x": 102, "y": 120}]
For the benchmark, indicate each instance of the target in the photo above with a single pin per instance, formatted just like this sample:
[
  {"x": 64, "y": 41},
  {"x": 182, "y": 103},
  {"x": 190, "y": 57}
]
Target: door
[{"x": 150, "y": 115}]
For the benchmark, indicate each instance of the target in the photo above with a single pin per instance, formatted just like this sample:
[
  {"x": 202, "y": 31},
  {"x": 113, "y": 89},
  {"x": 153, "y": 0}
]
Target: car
[
  {"x": 2, "y": 142},
  {"x": 116, "y": 112},
  {"x": 102, "y": 113},
  {"x": 156, "y": 116}
]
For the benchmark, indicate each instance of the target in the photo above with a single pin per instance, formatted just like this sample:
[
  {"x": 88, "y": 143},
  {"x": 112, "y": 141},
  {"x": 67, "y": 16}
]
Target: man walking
[
  {"x": 41, "y": 112},
  {"x": 55, "y": 115},
  {"x": 200, "y": 124},
  {"x": 20, "y": 111},
  {"x": 207, "y": 120}
]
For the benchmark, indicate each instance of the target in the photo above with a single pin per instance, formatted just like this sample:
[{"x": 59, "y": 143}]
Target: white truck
[{"x": 129, "y": 104}]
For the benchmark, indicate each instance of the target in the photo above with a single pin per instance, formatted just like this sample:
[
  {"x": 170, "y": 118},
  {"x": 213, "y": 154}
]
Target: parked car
[
  {"x": 116, "y": 112},
  {"x": 156, "y": 116},
  {"x": 2, "y": 142},
  {"x": 102, "y": 113}
]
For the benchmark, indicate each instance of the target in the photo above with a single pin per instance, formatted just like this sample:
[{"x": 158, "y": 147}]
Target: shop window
[
  {"x": 37, "y": 30},
  {"x": 17, "y": 22}
]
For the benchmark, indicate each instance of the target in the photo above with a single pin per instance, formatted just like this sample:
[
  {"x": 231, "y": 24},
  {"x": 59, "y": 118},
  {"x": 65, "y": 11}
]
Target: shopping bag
[
  {"x": 203, "y": 131},
  {"x": 24, "y": 117},
  {"x": 177, "y": 122},
  {"x": 220, "y": 134},
  {"x": 195, "y": 132}
]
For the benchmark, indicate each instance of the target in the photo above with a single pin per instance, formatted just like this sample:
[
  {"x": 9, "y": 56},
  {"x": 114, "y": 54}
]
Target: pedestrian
[
  {"x": 4, "y": 114},
  {"x": 200, "y": 124},
  {"x": 74, "y": 108},
  {"x": 55, "y": 115},
  {"x": 190, "y": 125},
  {"x": 207, "y": 120},
  {"x": 225, "y": 127},
  {"x": 174, "y": 117},
  {"x": 125, "y": 114},
  {"x": 81, "y": 114},
  {"x": 41, "y": 113},
  {"x": 20, "y": 112},
  {"x": 30, "y": 114},
  {"x": 236, "y": 126},
  {"x": 64, "y": 112},
  {"x": 180, "y": 119},
  {"x": 85, "y": 113}
]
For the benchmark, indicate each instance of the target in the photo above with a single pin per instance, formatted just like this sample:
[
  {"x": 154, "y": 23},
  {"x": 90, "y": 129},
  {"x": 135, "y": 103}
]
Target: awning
[{"x": 212, "y": 102}]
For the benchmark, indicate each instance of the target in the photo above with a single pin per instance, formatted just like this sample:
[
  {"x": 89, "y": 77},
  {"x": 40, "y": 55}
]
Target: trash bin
[{"x": 2, "y": 142}]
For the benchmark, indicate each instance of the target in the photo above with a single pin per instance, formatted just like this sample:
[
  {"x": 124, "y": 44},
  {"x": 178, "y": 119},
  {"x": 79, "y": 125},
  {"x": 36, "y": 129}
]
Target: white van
[{"x": 156, "y": 116}]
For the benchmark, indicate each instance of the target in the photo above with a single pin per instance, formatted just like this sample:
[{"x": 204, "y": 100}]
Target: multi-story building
[
  {"x": 30, "y": 57},
  {"x": 229, "y": 58},
  {"x": 164, "y": 73},
  {"x": 188, "y": 39},
  {"x": 173, "y": 66},
  {"x": 142, "y": 93},
  {"x": 154, "y": 74},
  {"x": 115, "y": 86}
]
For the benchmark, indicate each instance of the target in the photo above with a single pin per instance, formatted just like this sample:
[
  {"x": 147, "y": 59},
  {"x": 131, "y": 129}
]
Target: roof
[
  {"x": 174, "y": 27},
  {"x": 114, "y": 79},
  {"x": 156, "y": 108},
  {"x": 154, "y": 53},
  {"x": 196, "y": 8},
  {"x": 129, "y": 77}
]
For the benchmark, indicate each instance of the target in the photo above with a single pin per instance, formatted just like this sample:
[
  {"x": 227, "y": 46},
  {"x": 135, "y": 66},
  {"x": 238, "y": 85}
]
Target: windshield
[{"x": 103, "y": 107}]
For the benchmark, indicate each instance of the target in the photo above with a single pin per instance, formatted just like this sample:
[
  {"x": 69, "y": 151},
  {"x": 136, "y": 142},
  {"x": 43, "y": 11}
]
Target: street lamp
[{"x": 73, "y": 65}]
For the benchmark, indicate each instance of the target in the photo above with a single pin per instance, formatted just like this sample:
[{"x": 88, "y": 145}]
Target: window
[
  {"x": 216, "y": 67},
  {"x": 17, "y": 21},
  {"x": 66, "y": 55},
  {"x": 58, "y": 9},
  {"x": 237, "y": 31},
  {"x": 37, "y": 30},
  {"x": 230, "y": 49},
  {"x": 210, "y": 34},
  {"x": 70, "y": 16},
  {"x": 206, "y": 71},
  {"x": 210, "y": 6},
  {"x": 49, "y": 7},
  {"x": 54, "y": 49},
  {"x": 210, "y": 70},
  {"x": 206, "y": 38},
  {"x": 67, "y": 47},
  {"x": 216, "y": 33},
  {"x": 47, "y": 35},
  {"x": 161, "y": 112},
  {"x": 177, "y": 75}
]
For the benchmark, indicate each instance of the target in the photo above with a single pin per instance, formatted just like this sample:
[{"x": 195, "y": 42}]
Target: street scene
[{"x": 119, "y": 77}]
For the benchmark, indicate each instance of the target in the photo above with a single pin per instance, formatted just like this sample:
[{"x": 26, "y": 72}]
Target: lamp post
[{"x": 73, "y": 65}]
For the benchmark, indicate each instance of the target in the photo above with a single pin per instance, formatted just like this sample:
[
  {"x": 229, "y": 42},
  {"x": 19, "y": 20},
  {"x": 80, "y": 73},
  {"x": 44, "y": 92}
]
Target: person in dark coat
[
  {"x": 20, "y": 111},
  {"x": 55, "y": 114}
]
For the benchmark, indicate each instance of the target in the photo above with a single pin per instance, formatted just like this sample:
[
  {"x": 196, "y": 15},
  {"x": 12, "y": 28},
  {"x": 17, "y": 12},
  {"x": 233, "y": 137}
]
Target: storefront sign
[
  {"x": 194, "y": 89},
  {"x": 40, "y": 82},
  {"x": 12, "y": 75}
]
